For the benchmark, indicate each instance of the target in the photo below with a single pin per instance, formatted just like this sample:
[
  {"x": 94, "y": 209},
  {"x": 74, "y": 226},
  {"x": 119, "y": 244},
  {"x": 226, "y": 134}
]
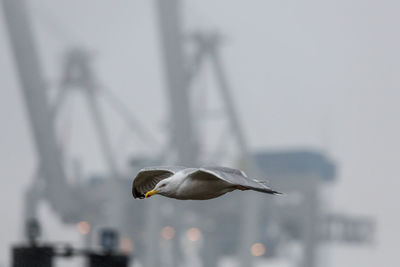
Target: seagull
[{"x": 193, "y": 183}]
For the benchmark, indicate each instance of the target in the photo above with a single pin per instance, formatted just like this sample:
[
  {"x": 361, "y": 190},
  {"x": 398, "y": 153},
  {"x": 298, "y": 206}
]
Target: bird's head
[{"x": 162, "y": 188}]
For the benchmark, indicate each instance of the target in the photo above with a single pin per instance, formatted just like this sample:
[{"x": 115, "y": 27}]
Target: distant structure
[
  {"x": 37, "y": 254},
  {"x": 301, "y": 217},
  {"x": 296, "y": 222},
  {"x": 180, "y": 71}
]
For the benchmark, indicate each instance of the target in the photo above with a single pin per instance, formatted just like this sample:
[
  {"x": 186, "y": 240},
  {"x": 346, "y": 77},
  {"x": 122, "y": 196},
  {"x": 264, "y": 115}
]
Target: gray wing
[
  {"x": 239, "y": 178},
  {"x": 147, "y": 178},
  {"x": 226, "y": 170}
]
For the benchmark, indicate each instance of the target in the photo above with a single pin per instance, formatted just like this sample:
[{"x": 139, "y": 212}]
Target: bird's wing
[
  {"x": 226, "y": 170},
  {"x": 234, "y": 177},
  {"x": 147, "y": 178}
]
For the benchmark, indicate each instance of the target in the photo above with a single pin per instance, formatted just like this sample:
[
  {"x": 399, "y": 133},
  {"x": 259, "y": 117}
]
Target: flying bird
[{"x": 193, "y": 183}]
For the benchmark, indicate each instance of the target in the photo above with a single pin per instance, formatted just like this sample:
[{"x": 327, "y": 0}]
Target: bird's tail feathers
[
  {"x": 276, "y": 193},
  {"x": 265, "y": 190}
]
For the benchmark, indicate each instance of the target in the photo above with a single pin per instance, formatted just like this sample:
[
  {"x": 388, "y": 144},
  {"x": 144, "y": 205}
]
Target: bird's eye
[{"x": 162, "y": 185}]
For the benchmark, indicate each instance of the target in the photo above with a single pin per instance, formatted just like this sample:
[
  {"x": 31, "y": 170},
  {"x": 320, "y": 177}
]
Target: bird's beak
[{"x": 150, "y": 193}]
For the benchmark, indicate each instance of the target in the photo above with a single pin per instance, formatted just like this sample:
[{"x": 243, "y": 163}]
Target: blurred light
[
  {"x": 168, "y": 233},
  {"x": 193, "y": 234},
  {"x": 126, "y": 245},
  {"x": 83, "y": 227},
  {"x": 257, "y": 249}
]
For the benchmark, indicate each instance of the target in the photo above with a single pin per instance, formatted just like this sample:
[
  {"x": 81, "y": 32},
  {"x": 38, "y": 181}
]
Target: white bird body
[
  {"x": 193, "y": 183},
  {"x": 184, "y": 187}
]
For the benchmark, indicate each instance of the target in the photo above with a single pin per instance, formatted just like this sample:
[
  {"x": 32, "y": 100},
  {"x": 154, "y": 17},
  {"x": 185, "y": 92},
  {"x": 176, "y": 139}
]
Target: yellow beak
[{"x": 150, "y": 193}]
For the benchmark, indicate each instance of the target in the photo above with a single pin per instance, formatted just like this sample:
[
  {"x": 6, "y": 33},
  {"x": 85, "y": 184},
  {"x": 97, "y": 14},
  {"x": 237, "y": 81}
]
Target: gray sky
[{"x": 304, "y": 73}]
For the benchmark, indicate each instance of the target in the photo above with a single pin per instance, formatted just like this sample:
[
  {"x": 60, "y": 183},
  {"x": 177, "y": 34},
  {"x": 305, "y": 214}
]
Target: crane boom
[{"x": 36, "y": 101}]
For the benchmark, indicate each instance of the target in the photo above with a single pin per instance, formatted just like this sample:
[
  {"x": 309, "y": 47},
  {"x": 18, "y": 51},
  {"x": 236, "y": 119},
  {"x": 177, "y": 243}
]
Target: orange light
[
  {"x": 168, "y": 233},
  {"x": 257, "y": 249},
  {"x": 83, "y": 227},
  {"x": 193, "y": 234},
  {"x": 126, "y": 245}
]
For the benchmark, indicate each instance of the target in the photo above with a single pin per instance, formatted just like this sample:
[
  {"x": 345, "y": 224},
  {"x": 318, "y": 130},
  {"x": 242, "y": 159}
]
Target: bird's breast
[{"x": 201, "y": 189}]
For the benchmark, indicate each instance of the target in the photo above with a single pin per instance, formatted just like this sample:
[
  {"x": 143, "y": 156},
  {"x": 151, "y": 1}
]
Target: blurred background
[{"x": 302, "y": 93}]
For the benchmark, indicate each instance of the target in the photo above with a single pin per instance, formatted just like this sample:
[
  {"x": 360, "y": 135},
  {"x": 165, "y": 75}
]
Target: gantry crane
[{"x": 75, "y": 202}]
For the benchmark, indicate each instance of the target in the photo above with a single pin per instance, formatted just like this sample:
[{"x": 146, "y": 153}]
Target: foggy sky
[{"x": 305, "y": 74}]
